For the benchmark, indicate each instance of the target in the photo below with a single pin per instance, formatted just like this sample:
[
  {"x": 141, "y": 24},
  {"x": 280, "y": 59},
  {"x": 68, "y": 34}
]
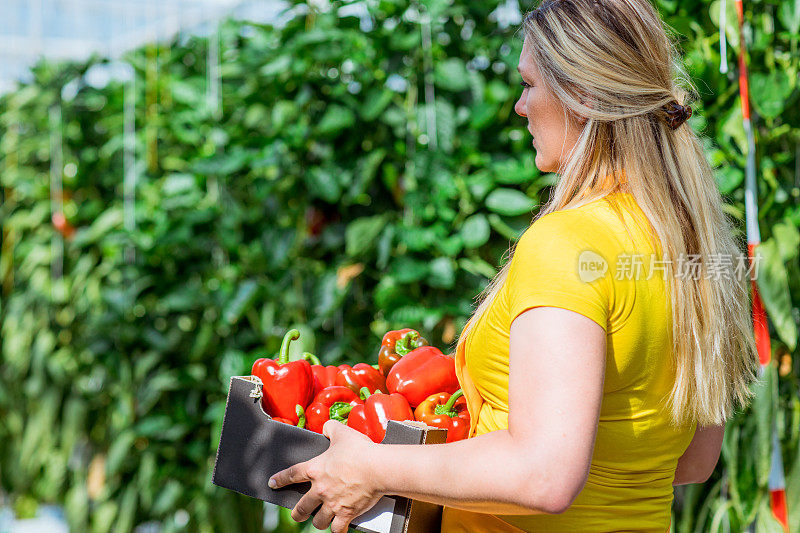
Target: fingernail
[{"x": 273, "y": 484}]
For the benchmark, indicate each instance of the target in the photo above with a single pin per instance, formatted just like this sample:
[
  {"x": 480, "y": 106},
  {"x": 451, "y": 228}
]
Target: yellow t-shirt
[{"x": 582, "y": 259}]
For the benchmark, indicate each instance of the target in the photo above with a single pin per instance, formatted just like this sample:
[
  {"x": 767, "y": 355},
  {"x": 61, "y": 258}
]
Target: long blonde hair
[{"x": 621, "y": 54}]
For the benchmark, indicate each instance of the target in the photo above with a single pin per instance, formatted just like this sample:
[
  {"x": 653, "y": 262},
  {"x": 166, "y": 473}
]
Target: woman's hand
[{"x": 342, "y": 480}]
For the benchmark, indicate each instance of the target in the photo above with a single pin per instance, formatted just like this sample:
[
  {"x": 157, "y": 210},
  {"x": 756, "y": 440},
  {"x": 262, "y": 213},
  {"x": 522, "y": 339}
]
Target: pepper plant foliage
[{"x": 359, "y": 176}]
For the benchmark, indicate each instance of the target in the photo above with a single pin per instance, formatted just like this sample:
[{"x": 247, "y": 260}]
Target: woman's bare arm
[
  {"x": 698, "y": 461},
  {"x": 540, "y": 464}
]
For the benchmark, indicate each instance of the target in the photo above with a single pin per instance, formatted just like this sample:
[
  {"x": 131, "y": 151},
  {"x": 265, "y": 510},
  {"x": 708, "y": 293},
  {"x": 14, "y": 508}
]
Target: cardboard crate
[{"x": 252, "y": 447}]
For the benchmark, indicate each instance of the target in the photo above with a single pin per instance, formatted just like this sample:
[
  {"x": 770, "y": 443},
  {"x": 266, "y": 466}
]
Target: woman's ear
[{"x": 587, "y": 101}]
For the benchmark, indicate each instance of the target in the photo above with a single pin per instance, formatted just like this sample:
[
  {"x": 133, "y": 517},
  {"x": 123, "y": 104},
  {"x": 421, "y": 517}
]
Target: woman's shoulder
[
  {"x": 590, "y": 221},
  {"x": 603, "y": 222}
]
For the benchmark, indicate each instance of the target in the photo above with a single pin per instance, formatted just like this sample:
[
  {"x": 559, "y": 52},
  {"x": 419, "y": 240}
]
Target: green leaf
[
  {"x": 475, "y": 231},
  {"x": 763, "y": 414},
  {"x": 323, "y": 184},
  {"x": 789, "y": 15},
  {"x": 278, "y": 65},
  {"x": 177, "y": 184},
  {"x": 362, "y": 233},
  {"x": 483, "y": 114},
  {"x": 728, "y": 178},
  {"x": 245, "y": 297},
  {"x": 154, "y": 426},
  {"x": 103, "y": 516},
  {"x": 335, "y": 119},
  {"x": 105, "y": 223},
  {"x": 773, "y": 90},
  {"x": 504, "y": 229},
  {"x": 733, "y": 128},
  {"x": 773, "y": 284},
  {"x": 408, "y": 270},
  {"x": 188, "y": 92},
  {"x": 509, "y": 202},
  {"x": 119, "y": 451},
  {"x": 167, "y": 498},
  {"x": 385, "y": 247},
  {"x": 451, "y": 75},
  {"x": 787, "y": 237},
  {"x": 127, "y": 510},
  {"x": 442, "y": 273},
  {"x": 374, "y": 105},
  {"x": 445, "y": 124},
  {"x": 479, "y": 184},
  {"x": 387, "y": 292},
  {"x": 417, "y": 239},
  {"x": 451, "y": 246},
  {"x": 76, "y": 506},
  {"x": 477, "y": 266},
  {"x": 512, "y": 171}
]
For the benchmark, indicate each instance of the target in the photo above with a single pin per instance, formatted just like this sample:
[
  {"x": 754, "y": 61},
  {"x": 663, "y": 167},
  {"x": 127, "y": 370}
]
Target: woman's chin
[{"x": 539, "y": 162}]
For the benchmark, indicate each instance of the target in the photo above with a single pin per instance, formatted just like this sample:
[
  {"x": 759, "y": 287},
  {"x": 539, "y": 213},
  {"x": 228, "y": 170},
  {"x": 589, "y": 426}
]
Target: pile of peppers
[{"x": 412, "y": 381}]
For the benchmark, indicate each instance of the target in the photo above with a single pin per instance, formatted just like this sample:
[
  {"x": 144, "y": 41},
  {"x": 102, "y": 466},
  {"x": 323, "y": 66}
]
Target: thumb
[{"x": 331, "y": 428}]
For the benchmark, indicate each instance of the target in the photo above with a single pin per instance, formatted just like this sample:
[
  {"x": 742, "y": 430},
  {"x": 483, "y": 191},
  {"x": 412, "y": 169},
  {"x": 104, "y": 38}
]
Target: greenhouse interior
[{"x": 190, "y": 188}]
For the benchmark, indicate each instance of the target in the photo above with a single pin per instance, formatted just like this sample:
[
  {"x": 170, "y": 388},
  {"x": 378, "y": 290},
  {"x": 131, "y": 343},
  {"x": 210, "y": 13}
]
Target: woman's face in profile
[{"x": 553, "y": 134}]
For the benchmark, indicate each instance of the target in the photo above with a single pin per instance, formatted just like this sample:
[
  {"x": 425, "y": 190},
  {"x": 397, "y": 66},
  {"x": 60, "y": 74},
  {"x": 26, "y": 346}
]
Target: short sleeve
[{"x": 555, "y": 264}]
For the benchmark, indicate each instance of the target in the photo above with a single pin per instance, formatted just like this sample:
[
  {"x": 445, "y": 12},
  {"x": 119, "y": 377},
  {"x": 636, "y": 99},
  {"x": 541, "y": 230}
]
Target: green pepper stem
[
  {"x": 364, "y": 393},
  {"x": 291, "y": 335},
  {"x": 404, "y": 343},
  {"x": 301, "y": 414},
  {"x": 447, "y": 409},
  {"x": 311, "y": 358},
  {"x": 339, "y": 411}
]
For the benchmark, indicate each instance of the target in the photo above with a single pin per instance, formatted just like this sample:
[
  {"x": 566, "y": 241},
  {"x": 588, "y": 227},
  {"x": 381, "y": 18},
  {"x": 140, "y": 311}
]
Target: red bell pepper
[
  {"x": 324, "y": 376},
  {"x": 332, "y": 403},
  {"x": 361, "y": 375},
  {"x": 357, "y": 419},
  {"x": 422, "y": 372},
  {"x": 286, "y": 384},
  {"x": 446, "y": 411},
  {"x": 378, "y": 409},
  {"x": 396, "y": 344},
  {"x": 301, "y": 418}
]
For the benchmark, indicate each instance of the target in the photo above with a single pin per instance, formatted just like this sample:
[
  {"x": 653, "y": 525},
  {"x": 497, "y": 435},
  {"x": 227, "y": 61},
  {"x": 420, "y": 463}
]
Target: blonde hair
[{"x": 621, "y": 54}]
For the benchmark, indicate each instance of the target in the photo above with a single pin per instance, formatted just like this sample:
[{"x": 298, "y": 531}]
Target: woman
[{"x": 606, "y": 355}]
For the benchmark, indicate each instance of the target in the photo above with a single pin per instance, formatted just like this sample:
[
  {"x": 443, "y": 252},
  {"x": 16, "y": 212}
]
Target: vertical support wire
[
  {"x": 129, "y": 162},
  {"x": 129, "y": 148},
  {"x": 56, "y": 194},
  {"x": 430, "y": 92},
  {"x": 213, "y": 82},
  {"x": 723, "y": 41},
  {"x": 151, "y": 84},
  {"x": 215, "y": 183}
]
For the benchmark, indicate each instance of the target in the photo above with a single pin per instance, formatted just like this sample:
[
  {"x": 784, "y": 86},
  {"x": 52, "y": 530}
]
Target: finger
[
  {"x": 331, "y": 427},
  {"x": 294, "y": 474},
  {"x": 340, "y": 524},
  {"x": 306, "y": 506},
  {"x": 323, "y": 517}
]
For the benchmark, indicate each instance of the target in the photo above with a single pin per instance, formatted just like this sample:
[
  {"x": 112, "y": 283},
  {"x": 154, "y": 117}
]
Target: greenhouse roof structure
[{"x": 75, "y": 29}]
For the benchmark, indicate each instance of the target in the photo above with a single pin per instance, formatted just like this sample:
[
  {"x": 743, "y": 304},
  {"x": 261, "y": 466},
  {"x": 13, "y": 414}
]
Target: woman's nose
[{"x": 519, "y": 107}]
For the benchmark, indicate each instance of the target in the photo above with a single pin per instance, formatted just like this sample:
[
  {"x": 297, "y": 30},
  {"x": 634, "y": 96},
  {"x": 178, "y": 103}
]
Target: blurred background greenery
[{"x": 342, "y": 174}]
